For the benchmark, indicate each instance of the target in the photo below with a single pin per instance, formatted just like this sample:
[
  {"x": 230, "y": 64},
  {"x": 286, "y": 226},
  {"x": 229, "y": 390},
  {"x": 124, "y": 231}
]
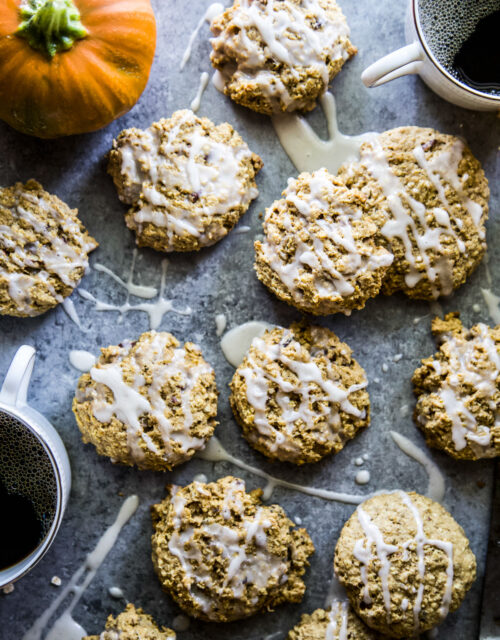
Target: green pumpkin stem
[{"x": 50, "y": 26}]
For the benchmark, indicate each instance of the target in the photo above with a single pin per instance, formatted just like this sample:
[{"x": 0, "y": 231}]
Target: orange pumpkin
[{"x": 72, "y": 66}]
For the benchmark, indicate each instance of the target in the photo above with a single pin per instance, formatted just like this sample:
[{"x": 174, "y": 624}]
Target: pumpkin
[{"x": 72, "y": 66}]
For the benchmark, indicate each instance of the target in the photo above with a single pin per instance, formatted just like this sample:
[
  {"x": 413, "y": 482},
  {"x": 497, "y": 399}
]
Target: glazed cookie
[
  {"x": 458, "y": 390},
  {"x": 299, "y": 395},
  {"x": 337, "y": 623},
  {"x": 429, "y": 196},
  {"x": 150, "y": 403},
  {"x": 321, "y": 252},
  {"x": 43, "y": 250},
  {"x": 133, "y": 624},
  {"x": 275, "y": 56},
  {"x": 187, "y": 180},
  {"x": 404, "y": 562},
  {"x": 223, "y": 556}
]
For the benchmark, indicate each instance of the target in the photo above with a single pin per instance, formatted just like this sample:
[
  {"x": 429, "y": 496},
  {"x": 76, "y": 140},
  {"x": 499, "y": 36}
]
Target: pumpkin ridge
[{"x": 112, "y": 96}]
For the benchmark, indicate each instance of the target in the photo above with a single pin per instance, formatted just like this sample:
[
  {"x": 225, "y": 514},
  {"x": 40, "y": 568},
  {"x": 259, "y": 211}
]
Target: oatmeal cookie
[
  {"x": 188, "y": 181},
  {"x": 321, "y": 252},
  {"x": 458, "y": 390},
  {"x": 150, "y": 403},
  {"x": 275, "y": 56},
  {"x": 405, "y": 563},
  {"x": 339, "y": 622},
  {"x": 299, "y": 395},
  {"x": 43, "y": 250},
  {"x": 429, "y": 196},
  {"x": 223, "y": 556},
  {"x": 133, "y": 624}
]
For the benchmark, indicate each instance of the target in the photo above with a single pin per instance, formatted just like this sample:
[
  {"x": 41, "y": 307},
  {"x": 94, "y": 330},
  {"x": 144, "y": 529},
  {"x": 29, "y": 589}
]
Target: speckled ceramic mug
[
  {"x": 418, "y": 57},
  {"x": 44, "y": 469}
]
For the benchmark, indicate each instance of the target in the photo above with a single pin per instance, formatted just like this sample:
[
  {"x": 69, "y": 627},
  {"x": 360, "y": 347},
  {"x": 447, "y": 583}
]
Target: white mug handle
[
  {"x": 15, "y": 386},
  {"x": 399, "y": 63}
]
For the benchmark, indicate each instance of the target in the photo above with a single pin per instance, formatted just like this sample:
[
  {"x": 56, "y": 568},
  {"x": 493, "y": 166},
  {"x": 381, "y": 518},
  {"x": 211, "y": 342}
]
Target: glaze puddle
[
  {"x": 237, "y": 341},
  {"x": 82, "y": 360},
  {"x": 307, "y": 150}
]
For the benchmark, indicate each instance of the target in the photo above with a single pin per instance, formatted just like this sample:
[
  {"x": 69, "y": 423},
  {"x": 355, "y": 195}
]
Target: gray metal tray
[{"x": 221, "y": 280}]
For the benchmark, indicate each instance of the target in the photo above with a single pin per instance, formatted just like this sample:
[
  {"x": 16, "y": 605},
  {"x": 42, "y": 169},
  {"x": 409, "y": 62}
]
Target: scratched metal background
[{"x": 221, "y": 280}]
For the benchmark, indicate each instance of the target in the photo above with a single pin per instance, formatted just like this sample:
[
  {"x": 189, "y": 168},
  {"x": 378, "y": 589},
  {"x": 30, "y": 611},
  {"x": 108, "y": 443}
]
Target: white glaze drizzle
[
  {"x": 137, "y": 290},
  {"x": 242, "y": 229},
  {"x": 333, "y": 631},
  {"x": 446, "y": 165},
  {"x": 69, "y": 307},
  {"x": 237, "y": 341},
  {"x": 218, "y": 81},
  {"x": 196, "y": 102},
  {"x": 286, "y": 37},
  {"x": 487, "y": 270},
  {"x": 256, "y": 567},
  {"x": 41, "y": 260},
  {"x": 436, "y": 487},
  {"x": 307, "y": 150},
  {"x": 410, "y": 216},
  {"x": 183, "y": 159},
  {"x": 310, "y": 384},
  {"x": 212, "y": 11},
  {"x": 363, "y": 553},
  {"x": 373, "y": 537},
  {"x": 493, "y": 304},
  {"x": 82, "y": 360},
  {"x": 131, "y": 400},
  {"x": 331, "y": 279},
  {"x": 467, "y": 367},
  {"x": 155, "y": 310},
  {"x": 220, "y": 324},
  {"x": 65, "y": 628},
  {"x": 336, "y": 592},
  {"x": 215, "y": 452},
  {"x": 445, "y": 546}
]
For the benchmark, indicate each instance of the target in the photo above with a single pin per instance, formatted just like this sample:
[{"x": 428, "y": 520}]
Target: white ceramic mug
[
  {"x": 417, "y": 57},
  {"x": 14, "y": 409}
]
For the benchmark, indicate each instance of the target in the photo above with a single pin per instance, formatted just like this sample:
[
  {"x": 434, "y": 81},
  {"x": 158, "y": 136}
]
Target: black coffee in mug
[
  {"x": 463, "y": 36},
  {"x": 28, "y": 491}
]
